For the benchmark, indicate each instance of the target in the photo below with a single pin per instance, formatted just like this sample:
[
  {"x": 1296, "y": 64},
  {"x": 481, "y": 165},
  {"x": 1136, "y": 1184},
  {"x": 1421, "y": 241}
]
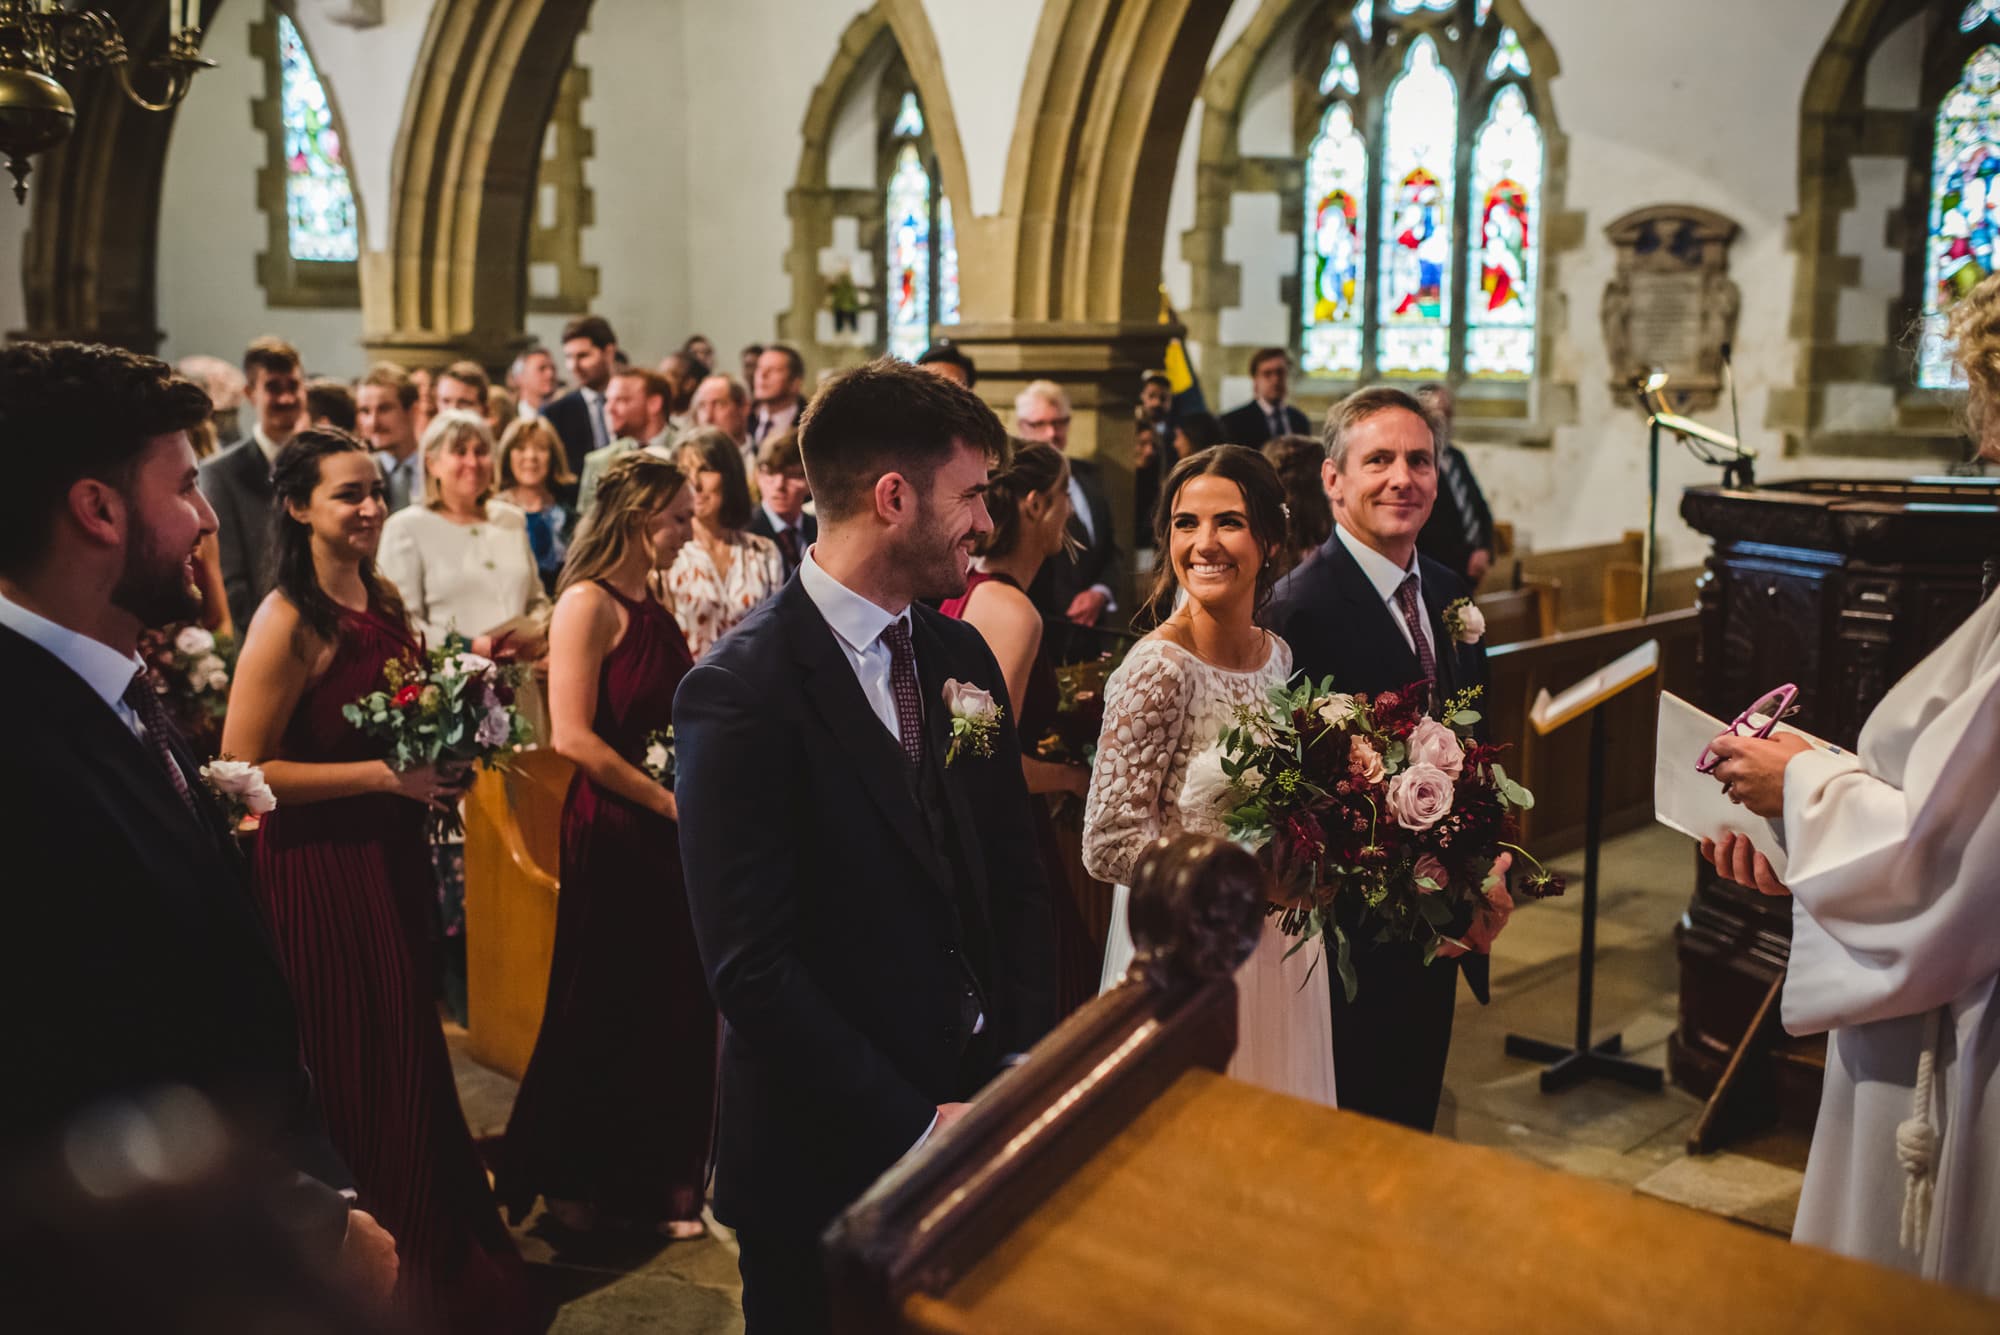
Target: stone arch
[
  {"x": 90, "y": 256},
  {"x": 452, "y": 280},
  {"x": 889, "y": 29},
  {"x": 1223, "y": 171},
  {"x": 1836, "y": 126}
]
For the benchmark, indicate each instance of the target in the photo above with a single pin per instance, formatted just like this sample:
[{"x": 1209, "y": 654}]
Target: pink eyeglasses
[{"x": 1761, "y": 719}]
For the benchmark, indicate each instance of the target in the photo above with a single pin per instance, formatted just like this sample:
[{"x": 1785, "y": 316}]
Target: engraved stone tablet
[{"x": 1671, "y": 305}]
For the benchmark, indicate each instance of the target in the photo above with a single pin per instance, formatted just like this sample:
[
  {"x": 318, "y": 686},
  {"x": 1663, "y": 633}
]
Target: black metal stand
[{"x": 1569, "y": 1065}]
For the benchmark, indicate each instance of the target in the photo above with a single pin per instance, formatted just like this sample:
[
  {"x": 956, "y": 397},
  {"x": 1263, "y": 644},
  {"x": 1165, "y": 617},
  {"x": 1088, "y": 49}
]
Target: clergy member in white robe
[{"x": 1894, "y": 871}]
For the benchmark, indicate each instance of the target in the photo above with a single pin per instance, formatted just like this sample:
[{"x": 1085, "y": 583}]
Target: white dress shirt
[
  {"x": 1387, "y": 577},
  {"x": 857, "y": 626},
  {"x": 104, "y": 670},
  {"x": 266, "y": 446}
]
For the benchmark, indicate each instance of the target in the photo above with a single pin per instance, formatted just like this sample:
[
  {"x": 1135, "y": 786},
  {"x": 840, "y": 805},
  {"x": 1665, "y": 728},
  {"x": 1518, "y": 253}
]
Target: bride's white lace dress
[{"x": 1163, "y": 707}]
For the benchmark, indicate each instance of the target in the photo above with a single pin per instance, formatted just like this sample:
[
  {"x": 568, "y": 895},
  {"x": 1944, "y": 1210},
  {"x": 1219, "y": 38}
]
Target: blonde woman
[
  {"x": 534, "y": 475},
  {"x": 600, "y": 1135}
]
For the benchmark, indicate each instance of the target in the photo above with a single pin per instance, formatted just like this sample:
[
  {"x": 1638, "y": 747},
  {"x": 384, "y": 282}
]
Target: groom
[
  {"x": 1367, "y": 610},
  {"x": 867, "y": 899}
]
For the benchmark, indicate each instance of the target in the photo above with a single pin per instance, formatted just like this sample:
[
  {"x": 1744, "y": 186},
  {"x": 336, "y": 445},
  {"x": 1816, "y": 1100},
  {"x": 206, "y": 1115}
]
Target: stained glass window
[
  {"x": 1422, "y": 200},
  {"x": 1965, "y": 207},
  {"x": 1978, "y": 12},
  {"x": 1340, "y": 72},
  {"x": 1508, "y": 57},
  {"x": 909, "y": 256},
  {"x": 1419, "y": 171},
  {"x": 319, "y": 200},
  {"x": 909, "y": 117},
  {"x": 947, "y": 264},
  {"x": 1335, "y": 260},
  {"x": 1502, "y": 288}
]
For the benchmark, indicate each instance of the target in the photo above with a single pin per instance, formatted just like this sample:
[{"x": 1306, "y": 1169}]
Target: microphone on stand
[{"x": 1740, "y": 472}]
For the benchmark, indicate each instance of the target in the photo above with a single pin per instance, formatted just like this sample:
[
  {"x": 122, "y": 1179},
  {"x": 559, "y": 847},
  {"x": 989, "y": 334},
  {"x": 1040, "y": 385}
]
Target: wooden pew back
[{"x": 513, "y": 839}]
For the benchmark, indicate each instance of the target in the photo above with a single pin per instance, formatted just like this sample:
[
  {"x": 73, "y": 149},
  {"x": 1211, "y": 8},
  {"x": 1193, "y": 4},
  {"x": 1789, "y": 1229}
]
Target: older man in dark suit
[
  {"x": 147, "y": 963},
  {"x": 237, "y": 481},
  {"x": 1368, "y": 611},
  {"x": 1075, "y": 586}
]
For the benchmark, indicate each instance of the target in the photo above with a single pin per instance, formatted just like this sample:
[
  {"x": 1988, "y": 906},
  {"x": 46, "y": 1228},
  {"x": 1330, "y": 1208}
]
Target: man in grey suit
[
  {"x": 385, "y": 411},
  {"x": 237, "y": 482}
]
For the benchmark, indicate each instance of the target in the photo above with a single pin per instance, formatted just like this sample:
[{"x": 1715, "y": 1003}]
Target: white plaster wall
[
  {"x": 211, "y": 227},
  {"x": 984, "y": 46}
]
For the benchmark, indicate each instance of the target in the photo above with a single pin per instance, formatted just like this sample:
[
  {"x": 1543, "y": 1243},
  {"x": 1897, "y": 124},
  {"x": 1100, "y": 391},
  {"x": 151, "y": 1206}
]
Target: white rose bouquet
[
  {"x": 191, "y": 670},
  {"x": 1371, "y": 813}
]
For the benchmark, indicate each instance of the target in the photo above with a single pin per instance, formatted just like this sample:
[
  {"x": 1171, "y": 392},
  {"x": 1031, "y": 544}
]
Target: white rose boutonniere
[
  {"x": 1465, "y": 622},
  {"x": 658, "y": 761},
  {"x": 975, "y": 715},
  {"x": 241, "y": 788}
]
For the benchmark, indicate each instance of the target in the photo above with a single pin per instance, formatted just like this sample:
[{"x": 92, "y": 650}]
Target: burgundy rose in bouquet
[{"x": 1371, "y": 812}]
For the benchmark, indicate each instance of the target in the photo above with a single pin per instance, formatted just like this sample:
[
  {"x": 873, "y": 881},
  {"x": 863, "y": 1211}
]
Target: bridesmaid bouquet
[
  {"x": 1373, "y": 804},
  {"x": 190, "y": 669},
  {"x": 450, "y": 707}
]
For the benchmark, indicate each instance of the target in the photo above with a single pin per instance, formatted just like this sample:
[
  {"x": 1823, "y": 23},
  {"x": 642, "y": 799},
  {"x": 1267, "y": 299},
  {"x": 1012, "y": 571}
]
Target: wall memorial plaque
[{"x": 1672, "y": 304}]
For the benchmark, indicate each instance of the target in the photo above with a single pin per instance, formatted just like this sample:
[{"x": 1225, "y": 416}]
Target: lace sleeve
[{"x": 1145, "y": 709}]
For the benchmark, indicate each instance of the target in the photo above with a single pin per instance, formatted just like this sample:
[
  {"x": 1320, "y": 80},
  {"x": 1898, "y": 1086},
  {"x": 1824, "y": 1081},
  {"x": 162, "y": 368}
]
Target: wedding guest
[
  {"x": 1368, "y": 611},
  {"x": 701, "y": 354},
  {"x": 1195, "y": 432},
  {"x": 635, "y": 412},
  {"x": 534, "y": 477},
  {"x": 1308, "y": 515},
  {"x": 591, "y": 349},
  {"x": 1459, "y": 535},
  {"x": 425, "y": 407},
  {"x": 330, "y": 403},
  {"x": 144, "y": 964},
  {"x": 779, "y": 376},
  {"x": 1077, "y": 584},
  {"x": 614, "y": 1113},
  {"x": 237, "y": 481},
  {"x": 1029, "y": 504},
  {"x": 947, "y": 359},
  {"x": 462, "y": 559},
  {"x": 721, "y": 576},
  {"x": 501, "y": 410},
  {"x": 225, "y": 385},
  {"x": 385, "y": 416},
  {"x": 782, "y": 517},
  {"x": 1220, "y": 532},
  {"x": 1267, "y": 416},
  {"x": 462, "y": 387},
  {"x": 533, "y": 379},
  {"x": 747, "y": 359},
  {"x": 724, "y": 404},
  {"x": 1894, "y": 872},
  {"x": 344, "y": 875}
]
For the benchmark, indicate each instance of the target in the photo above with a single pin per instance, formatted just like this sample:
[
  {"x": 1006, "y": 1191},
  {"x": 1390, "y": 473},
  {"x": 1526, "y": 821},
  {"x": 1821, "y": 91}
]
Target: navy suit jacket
[
  {"x": 1248, "y": 425},
  {"x": 141, "y": 958},
  {"x": 840, "y": 950},
  {"x": 1339, "y": 626},
  {"x": 237, "y": 483},
  {"x": 569, "y": 414}
]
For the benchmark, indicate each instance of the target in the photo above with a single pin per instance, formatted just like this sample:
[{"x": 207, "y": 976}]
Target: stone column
[{"x": 1099, "y": 364}]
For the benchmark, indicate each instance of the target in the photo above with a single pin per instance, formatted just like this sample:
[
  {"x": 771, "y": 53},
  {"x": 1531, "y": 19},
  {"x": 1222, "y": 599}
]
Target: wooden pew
[
  {"x": 1117, "y": 1181},
  {"x": 513, "y": 835},
  {"x": 1526, "y": 613},
  {"x": 1579, "y": 572},
  {"x": 1556, "y": 767}
]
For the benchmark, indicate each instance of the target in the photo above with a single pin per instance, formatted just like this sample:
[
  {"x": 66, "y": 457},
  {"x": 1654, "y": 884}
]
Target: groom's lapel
[
  {"x": 932, "y": 669},
  {"x": 836, "y": 696}
]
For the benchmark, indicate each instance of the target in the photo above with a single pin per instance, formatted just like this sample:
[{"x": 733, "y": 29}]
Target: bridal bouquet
[
  {"x": 191, "y": 670},
  {"x": 452, "y": 707},
  {"x": 1370, "y": 811}
]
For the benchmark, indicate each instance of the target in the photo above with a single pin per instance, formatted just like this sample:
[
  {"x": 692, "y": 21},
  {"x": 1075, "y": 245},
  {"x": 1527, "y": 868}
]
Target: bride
[{"x": 1220, "y": 529}]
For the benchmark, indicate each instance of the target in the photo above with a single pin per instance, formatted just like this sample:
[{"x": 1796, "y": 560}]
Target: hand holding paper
[
  {"x": 1695, "y": 804},
  {"x": 1752, "y": 772}
]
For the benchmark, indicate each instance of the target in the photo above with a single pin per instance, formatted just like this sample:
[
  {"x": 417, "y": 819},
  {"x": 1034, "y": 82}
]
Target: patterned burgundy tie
[
  {"x": 788, "y": 547},
  {"x": 1413, "y": 616},
  {"x": 145, "y": 702},
  {"x": 903, "y": 682}
]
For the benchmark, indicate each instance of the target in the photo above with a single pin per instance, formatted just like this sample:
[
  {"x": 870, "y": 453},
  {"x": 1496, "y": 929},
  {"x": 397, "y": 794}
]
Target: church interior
[{"x": 1684, "y": 268}]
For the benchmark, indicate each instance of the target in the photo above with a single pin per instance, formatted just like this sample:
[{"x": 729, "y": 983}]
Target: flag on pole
[{"x": 1188, "y": 398}]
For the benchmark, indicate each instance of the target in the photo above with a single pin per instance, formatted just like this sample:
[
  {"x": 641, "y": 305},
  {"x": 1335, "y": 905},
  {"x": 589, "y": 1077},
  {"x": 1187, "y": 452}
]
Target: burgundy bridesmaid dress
[
  {"x": 348, "y": 885},
  {"x": 1078, "y": 958},
  {"x": 618, "y": 1101}
]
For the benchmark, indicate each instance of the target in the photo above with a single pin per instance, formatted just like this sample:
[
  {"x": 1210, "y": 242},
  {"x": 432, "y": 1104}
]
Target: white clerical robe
[{"x": 1895, "y": 877}]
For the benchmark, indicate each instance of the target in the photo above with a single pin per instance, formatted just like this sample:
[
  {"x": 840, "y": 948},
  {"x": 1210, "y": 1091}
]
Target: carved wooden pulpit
[
  {"x": 1839, "y": 586},
  {"x": 1117, "y": 1181}
]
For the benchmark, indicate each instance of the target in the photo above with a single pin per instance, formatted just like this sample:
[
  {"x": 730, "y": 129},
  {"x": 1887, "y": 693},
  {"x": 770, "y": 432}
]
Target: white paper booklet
[{"x": 1687, "y": 800}]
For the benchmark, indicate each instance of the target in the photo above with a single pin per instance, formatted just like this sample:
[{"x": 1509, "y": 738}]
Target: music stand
[{"x": 1584, "y": 1059}]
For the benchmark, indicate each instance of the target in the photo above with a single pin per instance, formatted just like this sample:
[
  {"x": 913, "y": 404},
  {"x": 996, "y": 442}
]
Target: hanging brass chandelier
[{"x": 40, "y": 39}]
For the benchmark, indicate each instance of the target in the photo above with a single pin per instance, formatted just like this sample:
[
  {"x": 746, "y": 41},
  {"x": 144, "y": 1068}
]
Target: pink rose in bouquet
[
  {"x": 1364, "y": 762},
  {"x": 1432, "y": 743},
  {"x": 1420, "y": 797}
]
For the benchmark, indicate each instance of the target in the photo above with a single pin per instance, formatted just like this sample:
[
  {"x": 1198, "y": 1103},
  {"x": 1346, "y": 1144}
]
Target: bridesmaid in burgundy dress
[
  {"x": 612, "y": 1122},
  {"x": 344, "y": 870},
  {"x": 1029, "y": 502}
]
